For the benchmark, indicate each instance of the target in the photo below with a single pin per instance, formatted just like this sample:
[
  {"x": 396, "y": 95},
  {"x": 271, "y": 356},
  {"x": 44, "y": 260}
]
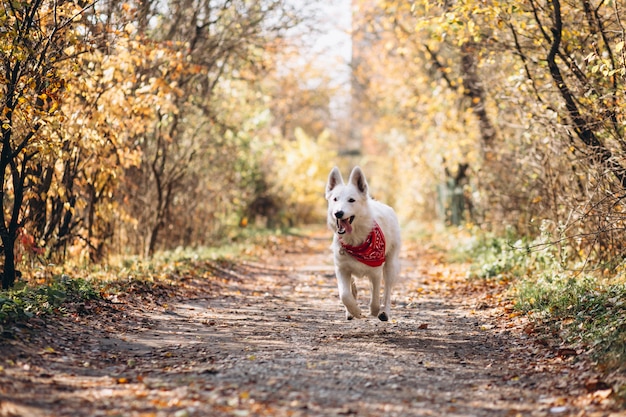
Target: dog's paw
[
  {"x": 351, "y": 316},
  {"x": 383, "y": 316}
]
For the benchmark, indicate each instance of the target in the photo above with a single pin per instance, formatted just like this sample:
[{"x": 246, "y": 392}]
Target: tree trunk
[
  {"x": 474, "y": 90},
  {"x": 8, "y": 275},
  {"x": 153, "y": 239},
  {"x": 582, "y": 128}
]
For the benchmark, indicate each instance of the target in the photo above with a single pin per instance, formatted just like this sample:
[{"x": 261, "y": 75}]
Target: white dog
[{"x": 366, "y": 242}]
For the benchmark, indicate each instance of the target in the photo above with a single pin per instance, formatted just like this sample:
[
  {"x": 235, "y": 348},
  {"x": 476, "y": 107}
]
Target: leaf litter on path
[{"x": 269, "y": 338}]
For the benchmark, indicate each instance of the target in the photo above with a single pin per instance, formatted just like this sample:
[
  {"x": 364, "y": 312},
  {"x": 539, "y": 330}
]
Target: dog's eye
[
  {"x": 335, "y": 199},
  {"x": 351, "y": 200}
]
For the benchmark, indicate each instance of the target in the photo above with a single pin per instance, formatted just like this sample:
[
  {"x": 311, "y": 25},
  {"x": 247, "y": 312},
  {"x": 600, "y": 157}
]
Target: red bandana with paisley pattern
[{"x": 372, "y": 251}]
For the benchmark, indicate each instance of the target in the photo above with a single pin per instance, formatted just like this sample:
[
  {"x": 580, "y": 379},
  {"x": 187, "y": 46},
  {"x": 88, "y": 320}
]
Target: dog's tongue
[{"x": 346, "y": 225}]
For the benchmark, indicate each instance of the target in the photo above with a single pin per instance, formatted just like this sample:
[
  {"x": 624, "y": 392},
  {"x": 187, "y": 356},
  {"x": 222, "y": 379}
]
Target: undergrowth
[
  {"x": 51, "y": 290},
  {"x": 582, "y": 307},
  {"x": 25, "y": 301}
]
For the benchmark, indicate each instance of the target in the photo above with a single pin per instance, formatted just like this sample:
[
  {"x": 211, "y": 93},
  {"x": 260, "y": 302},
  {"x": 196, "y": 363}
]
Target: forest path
[{"x": 270, "y": 339}]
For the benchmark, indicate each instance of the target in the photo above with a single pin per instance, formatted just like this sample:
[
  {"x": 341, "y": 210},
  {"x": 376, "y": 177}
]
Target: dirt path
[{"x": 270, "y": 339}]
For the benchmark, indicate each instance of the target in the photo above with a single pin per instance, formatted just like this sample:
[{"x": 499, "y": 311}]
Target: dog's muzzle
[{"x": 343, "y": 225}]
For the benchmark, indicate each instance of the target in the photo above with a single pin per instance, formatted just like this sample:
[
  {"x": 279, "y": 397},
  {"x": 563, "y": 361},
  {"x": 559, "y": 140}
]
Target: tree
[
  {"x": 197, "y": 62},
  {"x": 37, "y": 35},
  {"x": 582, "y": 43},
  {"x": 543, "y": 82}
]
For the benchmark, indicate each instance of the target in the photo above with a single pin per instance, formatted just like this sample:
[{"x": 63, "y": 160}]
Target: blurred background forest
[{"x": 130, "y": 127}]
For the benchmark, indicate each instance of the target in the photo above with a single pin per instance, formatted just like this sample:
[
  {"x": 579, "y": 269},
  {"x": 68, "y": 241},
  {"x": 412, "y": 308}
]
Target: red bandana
[{"x": 372, "y": 251}]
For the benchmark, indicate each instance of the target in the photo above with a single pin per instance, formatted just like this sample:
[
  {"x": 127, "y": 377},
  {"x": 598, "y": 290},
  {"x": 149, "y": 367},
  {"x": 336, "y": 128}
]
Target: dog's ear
[
  {"x": 358, "y": 179},
  {"x": 334, "y": 179}
]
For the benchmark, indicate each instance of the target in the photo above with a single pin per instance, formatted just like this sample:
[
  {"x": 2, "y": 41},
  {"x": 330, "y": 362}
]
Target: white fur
[{"x": 353, "y": 200}]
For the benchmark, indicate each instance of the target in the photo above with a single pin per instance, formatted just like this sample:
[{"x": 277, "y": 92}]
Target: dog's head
[{"x": 346, "y": 202}]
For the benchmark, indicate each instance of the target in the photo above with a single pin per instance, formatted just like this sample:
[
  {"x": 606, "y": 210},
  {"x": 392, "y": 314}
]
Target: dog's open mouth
[{"x": 345, "y": 225}]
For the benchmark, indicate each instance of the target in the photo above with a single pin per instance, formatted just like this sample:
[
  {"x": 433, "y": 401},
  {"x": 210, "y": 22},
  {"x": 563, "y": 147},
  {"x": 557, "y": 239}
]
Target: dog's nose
[{"x": 339, "y": 214}]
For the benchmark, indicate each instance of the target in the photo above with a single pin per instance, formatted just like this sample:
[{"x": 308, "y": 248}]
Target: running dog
[{"x": 366, "y": 242}]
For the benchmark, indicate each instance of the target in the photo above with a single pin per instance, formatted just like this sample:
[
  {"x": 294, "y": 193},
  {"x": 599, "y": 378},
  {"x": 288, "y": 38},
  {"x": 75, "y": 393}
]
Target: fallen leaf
[
  {"x": 566, "y": 352},
  {"x": 48, "y": 349},
  {"x": 594, "y": 384},
  {"x": 603, "y": 394}
]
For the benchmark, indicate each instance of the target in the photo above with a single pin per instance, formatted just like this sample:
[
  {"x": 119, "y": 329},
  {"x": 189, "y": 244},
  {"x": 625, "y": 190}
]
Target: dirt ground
[{"x": 269, "y": 338}]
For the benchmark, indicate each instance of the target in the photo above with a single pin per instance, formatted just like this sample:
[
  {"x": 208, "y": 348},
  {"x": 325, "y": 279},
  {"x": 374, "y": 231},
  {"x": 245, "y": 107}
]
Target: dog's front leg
[
  {"x": 390, "y": 272},
  {"x": 375, "y": 300},
  {"x": 345, "y": 284}
]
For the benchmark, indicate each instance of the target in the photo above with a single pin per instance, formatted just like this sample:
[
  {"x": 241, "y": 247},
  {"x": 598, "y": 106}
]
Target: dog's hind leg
[{"x": 347, "y": 292}]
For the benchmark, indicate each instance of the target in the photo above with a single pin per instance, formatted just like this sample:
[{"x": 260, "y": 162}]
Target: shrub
[
  {"x": 26, "y": 301},
  {"x": 585, "y": 309}
]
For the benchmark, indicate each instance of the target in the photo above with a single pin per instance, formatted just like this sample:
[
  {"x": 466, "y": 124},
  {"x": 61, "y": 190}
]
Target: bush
[
  {"x": 586, "y": 310},
  {"x": 23, "y": 301}
]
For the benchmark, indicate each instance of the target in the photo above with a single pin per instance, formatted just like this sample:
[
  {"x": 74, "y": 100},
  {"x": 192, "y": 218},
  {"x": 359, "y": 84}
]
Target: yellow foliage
[{"x": 300, "y": 171}]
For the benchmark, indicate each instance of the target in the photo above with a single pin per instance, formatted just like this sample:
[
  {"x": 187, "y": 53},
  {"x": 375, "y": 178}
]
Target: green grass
[
  {"x": 583, "y": 309},
  {"x": 24, "y": 301},
  {"x": 59, "y": 288}
]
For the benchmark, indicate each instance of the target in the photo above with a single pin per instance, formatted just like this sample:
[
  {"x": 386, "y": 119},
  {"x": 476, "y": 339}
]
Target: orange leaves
[{"x": 27, "y": 245}]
